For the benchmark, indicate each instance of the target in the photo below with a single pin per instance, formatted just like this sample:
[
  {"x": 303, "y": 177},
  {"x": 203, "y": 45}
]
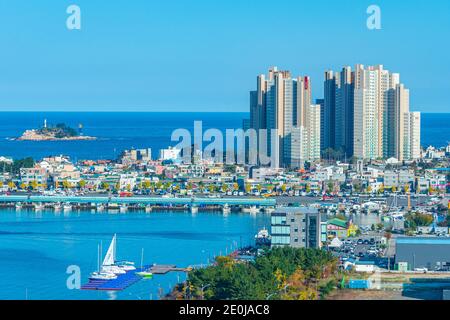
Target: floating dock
[
  {"x": 163, "y": 269},
  {"x": 125, "y": 280},
  {"x": 122, "y": 281}
]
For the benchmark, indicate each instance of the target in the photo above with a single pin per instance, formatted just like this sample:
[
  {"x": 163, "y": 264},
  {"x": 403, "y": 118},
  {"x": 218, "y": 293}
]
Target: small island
[{"x": 60, "y": 132}]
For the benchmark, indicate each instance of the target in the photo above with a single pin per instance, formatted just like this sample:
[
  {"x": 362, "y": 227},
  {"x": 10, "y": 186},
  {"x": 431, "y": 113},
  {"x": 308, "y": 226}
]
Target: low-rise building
[
  {"x": 296, "y": 227},
  {"x": 337, "y": 228},
  {"x": 6, "y": 160},
  {"x": 35, "y": 175},
  {"x": 169, "y": 154}
]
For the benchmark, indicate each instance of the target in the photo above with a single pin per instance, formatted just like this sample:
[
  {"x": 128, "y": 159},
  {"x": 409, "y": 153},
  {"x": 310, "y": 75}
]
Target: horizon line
[{"x": 148, "y": 111}]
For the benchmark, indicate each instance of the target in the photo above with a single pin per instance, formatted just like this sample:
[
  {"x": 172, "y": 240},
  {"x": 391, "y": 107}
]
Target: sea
[
  {"x": 37, "y": 249},
  {"x": 118, "y": 131}
]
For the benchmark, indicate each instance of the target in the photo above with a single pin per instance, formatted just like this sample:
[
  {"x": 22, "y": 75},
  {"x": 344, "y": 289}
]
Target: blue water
[
  {"x": 36, "y": 249},
  {"x": 435, "y": 129},
  {"x": 119, "y": 131},
  {"x": 115, "y": 131}
]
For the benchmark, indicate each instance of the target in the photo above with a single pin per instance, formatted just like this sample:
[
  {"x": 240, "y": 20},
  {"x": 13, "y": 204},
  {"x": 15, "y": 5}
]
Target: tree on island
[{"x": 60, "y": 131}]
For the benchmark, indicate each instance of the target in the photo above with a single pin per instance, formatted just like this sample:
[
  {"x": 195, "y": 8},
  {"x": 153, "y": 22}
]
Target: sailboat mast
[
  {"x": 98, "y": 257},
  {"x": 115, "y": 247},
  {"x": 101, "y": 252}
]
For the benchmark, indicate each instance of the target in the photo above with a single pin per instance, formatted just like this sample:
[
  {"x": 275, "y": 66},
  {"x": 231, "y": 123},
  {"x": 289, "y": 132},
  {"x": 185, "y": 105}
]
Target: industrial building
[{"x": 432, "y": 253}]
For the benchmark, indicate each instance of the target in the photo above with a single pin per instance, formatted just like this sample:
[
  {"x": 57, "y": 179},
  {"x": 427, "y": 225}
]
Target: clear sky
[{"x": 204, "y": 55}]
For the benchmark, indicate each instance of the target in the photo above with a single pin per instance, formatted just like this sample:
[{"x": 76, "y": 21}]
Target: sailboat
[
  {"x": 109, "y": 263},
  {"x": 101, "y": 275},
  {"x": 144, "y": 273}
]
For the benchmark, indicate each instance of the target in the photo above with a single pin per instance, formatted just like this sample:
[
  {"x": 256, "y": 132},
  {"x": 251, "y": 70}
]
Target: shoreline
[
  {"x": 37, "y": 139},
  {"x": 55, "y": 134}
]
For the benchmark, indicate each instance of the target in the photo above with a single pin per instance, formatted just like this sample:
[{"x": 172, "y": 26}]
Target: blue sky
[{"x": 204, "y": 55}]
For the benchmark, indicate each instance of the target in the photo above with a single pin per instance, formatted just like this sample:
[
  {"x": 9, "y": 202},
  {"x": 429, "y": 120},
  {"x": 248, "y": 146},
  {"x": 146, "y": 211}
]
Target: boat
[
  {"x": 146, "y": 274},
  {"x": 269, "y": 210},
  {"x": 67, "y": 207},
  {"x": 57, "y": 207},
  {"x": 194, "y": 209},
  {"x": 38, "y": 207},
  {"x": 18, "y": 206},
  {"x": 263, "y": 238},
  {"x": 109, "y": 262},
  {"x": 111, "y": 265},
  {"x": 101, "y": 275},
  {"x": 398, "y": 215},
  {"x": 123, "y": 208},
  {"x": 252, "y": 209},
  {"x": 226, "y": 209},
  {"x": 113, "y": 206},
  {"x": 126, "y": 265}
]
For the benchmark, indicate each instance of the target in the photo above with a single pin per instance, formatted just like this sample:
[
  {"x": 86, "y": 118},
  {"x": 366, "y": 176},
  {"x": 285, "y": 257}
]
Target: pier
[
  {"x": 122, "y": 281},
  {"x": 163, "y": 269},
  {"x": 249, "y": 205},
  {"x": 125, "y": 280}
]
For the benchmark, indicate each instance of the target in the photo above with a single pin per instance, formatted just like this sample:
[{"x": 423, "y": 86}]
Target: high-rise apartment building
[
  {"x": 338, "y": 110},
  {"x": 312, "y": 129},
  {"x": 285, "y": 103},
  {"x": 329, "y": 111},
  {"x": 382, "y": 119},
  {"x": 367, "y": 124},
  {"x": 345, "y": 111},
  {"x": 412, "y": 136},
  {"x": 364, "y": 113}
]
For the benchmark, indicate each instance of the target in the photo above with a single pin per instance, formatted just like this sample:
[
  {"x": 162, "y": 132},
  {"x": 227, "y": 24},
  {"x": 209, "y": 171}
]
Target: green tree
[
  {"x": 34, "y": 184},
  {"x": 82, "y": 184},
  {"x": 277, "y": 274}
]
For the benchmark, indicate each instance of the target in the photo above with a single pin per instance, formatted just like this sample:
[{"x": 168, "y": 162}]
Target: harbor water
[{"x": 36, "y": 248}]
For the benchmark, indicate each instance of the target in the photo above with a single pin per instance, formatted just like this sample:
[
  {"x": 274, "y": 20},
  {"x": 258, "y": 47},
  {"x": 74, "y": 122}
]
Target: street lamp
[
  {"x": 274, "y": 293},
  {"x": 270, "y": 295},
  {"x": 203, "y": 290}
]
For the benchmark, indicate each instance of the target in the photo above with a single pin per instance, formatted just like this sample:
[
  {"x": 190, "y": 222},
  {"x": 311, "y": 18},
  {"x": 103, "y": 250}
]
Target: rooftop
[
  {"x": 338, "y": 222},
  {"x": 423, "y": 240},
  {"x": 294, "y": 210}
]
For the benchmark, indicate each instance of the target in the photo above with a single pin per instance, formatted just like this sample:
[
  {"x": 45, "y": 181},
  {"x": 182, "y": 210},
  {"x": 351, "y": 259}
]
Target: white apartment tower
[
  {"x": 312, "y": 129},
  {"x": 382, "y": 121},
  {"x": 412, "y": 136},
  {"x": 367, "y": 113}
]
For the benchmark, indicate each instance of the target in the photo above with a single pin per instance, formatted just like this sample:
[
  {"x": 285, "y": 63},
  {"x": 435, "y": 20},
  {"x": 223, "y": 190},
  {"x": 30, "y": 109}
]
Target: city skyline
[
  {"x": 365, "y": 113},
  {"x": 124, "y": 56}
]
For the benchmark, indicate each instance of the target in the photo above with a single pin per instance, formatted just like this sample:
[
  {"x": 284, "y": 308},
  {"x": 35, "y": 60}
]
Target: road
[{"x": 402, "y": 201}]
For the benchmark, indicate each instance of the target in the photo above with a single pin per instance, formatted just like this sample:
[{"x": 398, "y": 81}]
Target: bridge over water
[{"x": 140, "y": 200}]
